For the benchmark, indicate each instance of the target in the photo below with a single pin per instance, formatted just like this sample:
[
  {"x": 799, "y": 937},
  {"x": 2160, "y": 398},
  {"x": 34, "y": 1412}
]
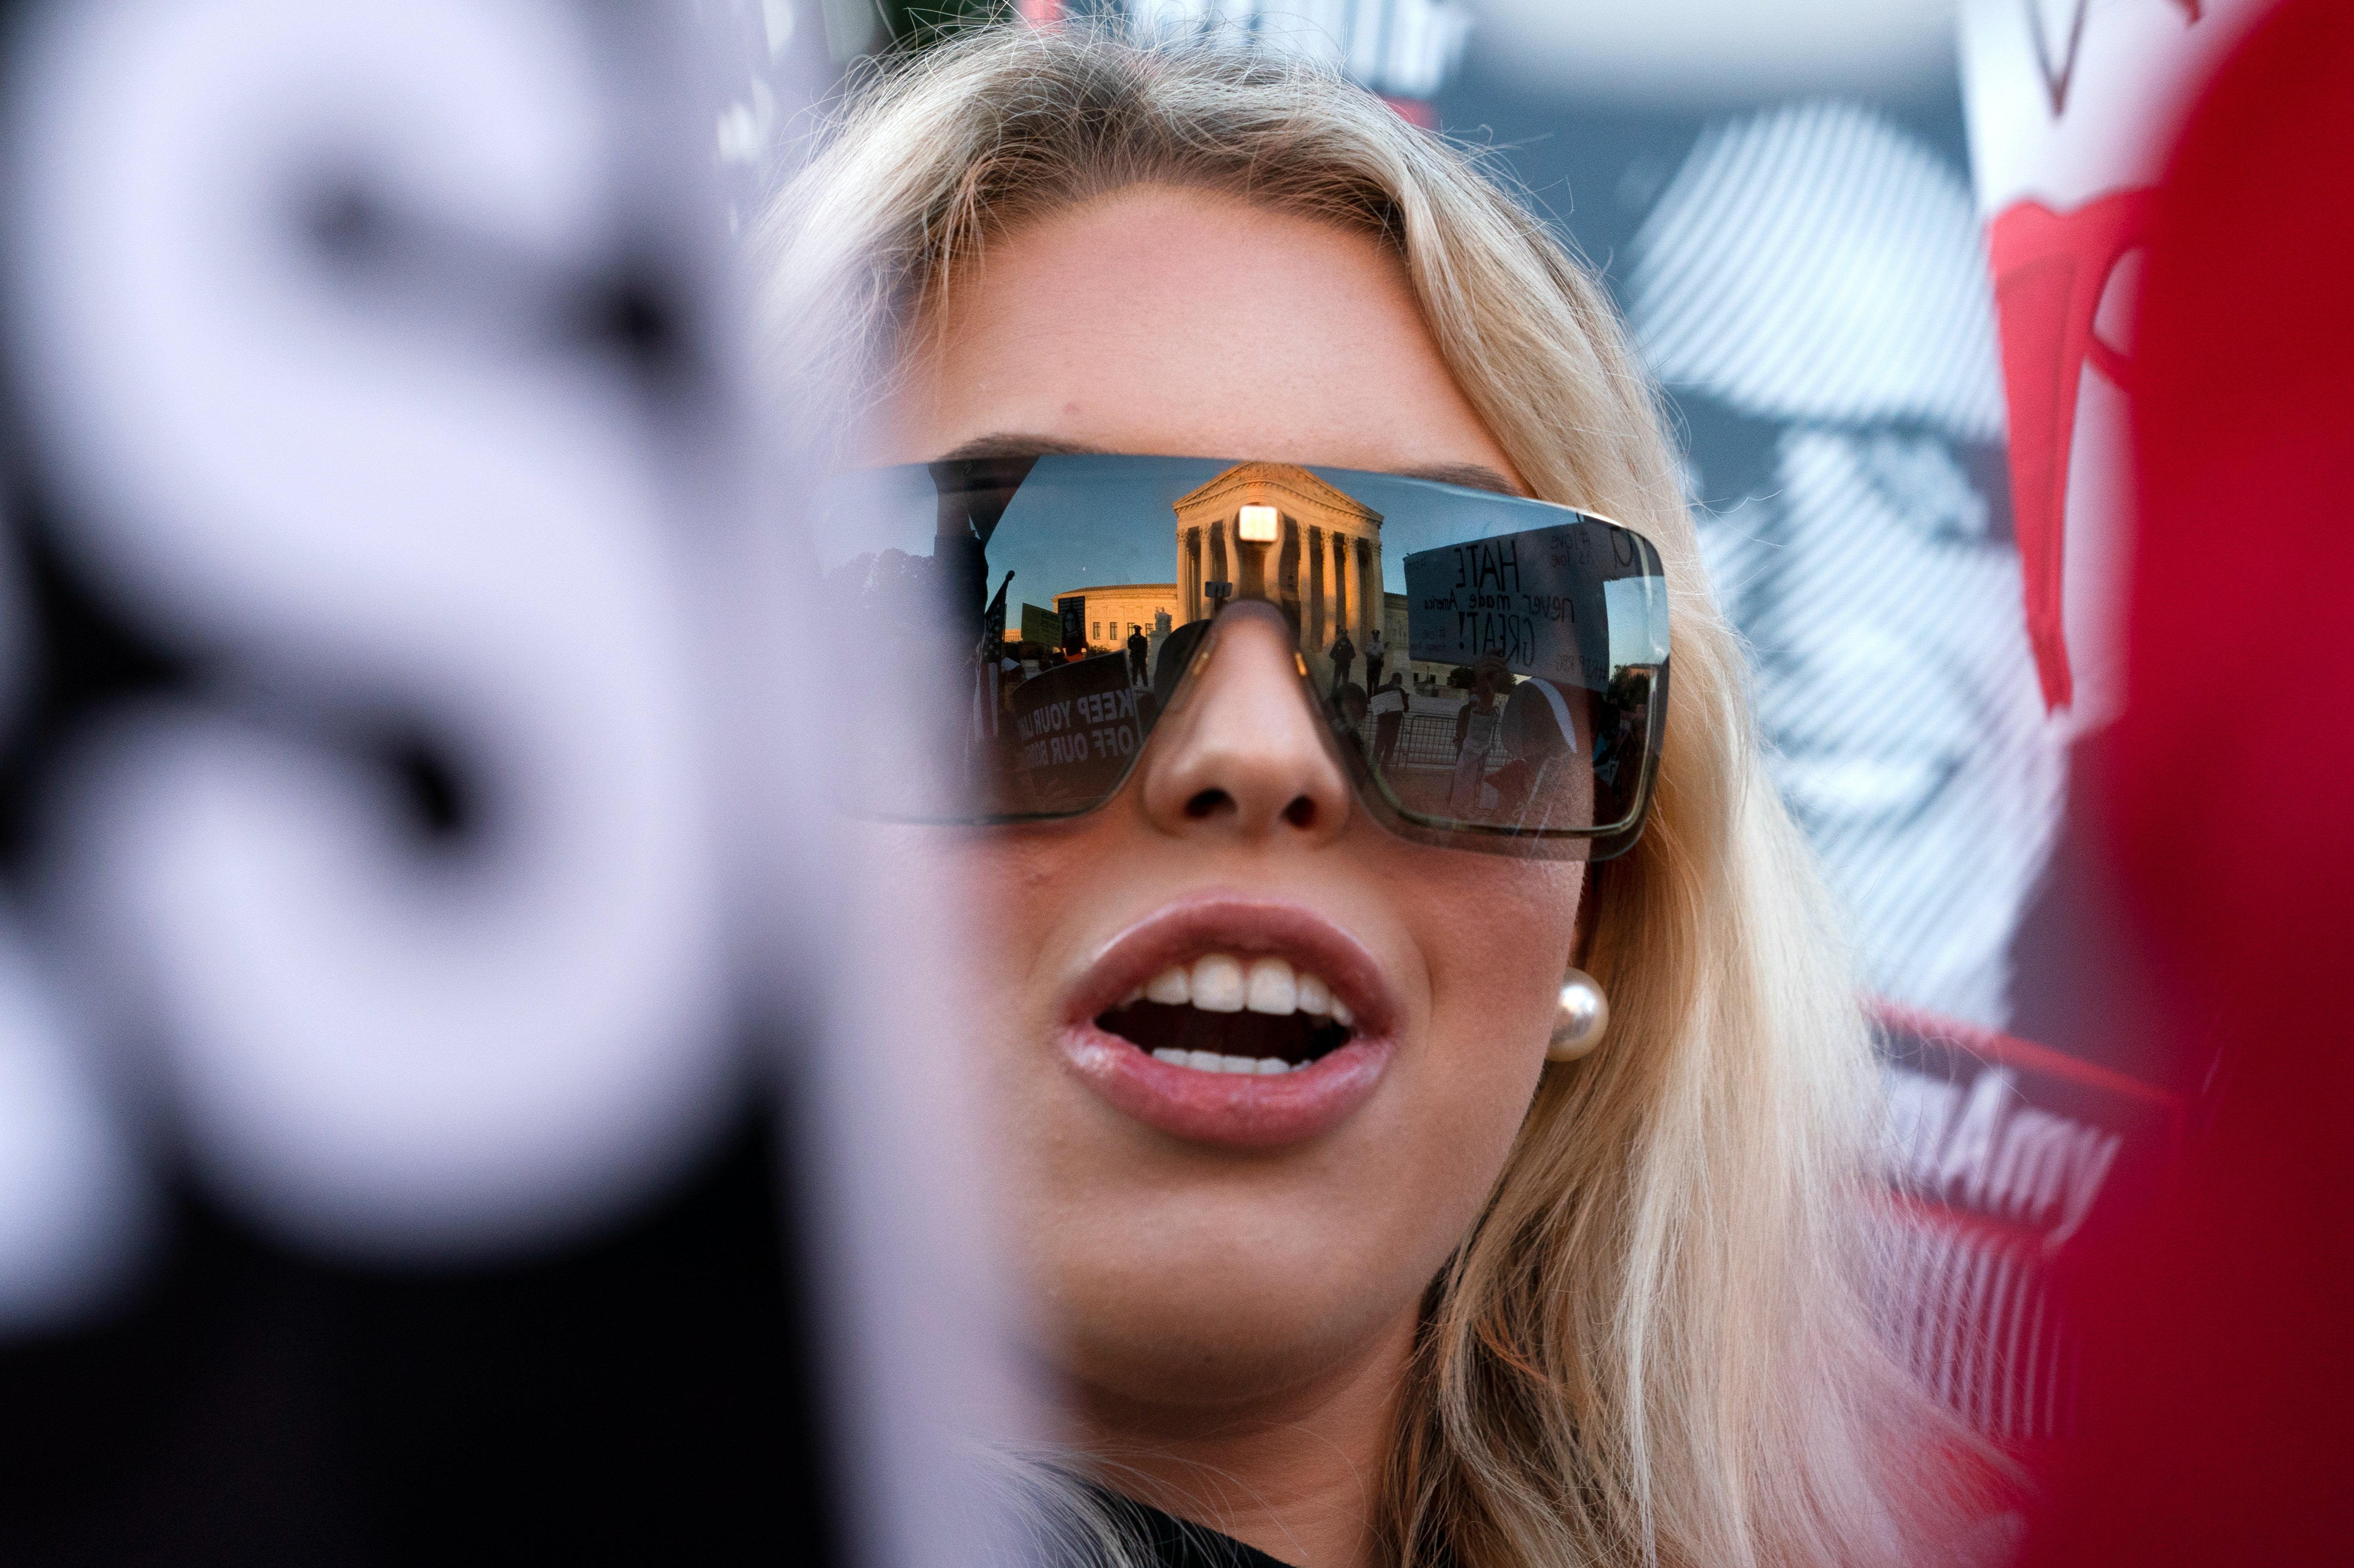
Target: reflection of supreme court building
[{"x": 1322, "y": 566}]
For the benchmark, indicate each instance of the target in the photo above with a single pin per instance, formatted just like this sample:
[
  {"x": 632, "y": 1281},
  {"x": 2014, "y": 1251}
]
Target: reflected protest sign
[
  {"x": 1078, "y": 726},
  {"x": 1529, "y": 599}
]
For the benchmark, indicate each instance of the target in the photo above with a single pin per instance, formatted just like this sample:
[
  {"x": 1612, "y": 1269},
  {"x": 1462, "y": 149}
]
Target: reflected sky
[{"x": 1055, "y": 539}]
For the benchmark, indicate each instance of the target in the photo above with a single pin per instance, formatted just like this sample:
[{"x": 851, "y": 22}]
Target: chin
[
  {"x": 1194, "y": 1359},
  {"x": 1213, "y": 1326}
]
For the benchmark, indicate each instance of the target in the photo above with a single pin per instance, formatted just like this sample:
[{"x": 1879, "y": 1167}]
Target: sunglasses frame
[{"x": 999, "y": 478}]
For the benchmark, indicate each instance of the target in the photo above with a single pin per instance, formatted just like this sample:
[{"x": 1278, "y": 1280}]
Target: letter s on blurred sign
[{"x": 309, "y": 318}]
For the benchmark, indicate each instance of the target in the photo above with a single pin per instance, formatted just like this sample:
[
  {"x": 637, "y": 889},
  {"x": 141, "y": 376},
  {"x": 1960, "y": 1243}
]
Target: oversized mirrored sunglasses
[{"x": 1492, "y": 672}]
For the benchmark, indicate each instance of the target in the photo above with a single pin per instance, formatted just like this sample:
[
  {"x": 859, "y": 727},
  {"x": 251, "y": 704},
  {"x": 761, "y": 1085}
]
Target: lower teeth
[
  {"x": 1252, "y": 1043},
  {"x": 1211, "y": 1062}
]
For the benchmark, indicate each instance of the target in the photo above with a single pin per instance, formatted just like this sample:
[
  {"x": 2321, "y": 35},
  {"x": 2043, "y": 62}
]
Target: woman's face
[{"x": 1215, "y": 1241}]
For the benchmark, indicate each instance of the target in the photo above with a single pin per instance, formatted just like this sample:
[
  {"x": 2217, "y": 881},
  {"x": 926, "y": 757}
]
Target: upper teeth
[{"x": 1218, "y": 983}]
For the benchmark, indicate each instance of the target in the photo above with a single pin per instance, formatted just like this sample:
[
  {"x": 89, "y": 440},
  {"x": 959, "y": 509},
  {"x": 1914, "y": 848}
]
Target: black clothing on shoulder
[{"x": 1174, "y": 1542}]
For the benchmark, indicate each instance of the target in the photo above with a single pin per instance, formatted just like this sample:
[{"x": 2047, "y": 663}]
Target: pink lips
[{"x": 1226, "y": 1107}]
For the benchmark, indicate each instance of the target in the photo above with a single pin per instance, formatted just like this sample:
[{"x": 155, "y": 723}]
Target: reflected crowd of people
[{"x": 1502, "y": 743}]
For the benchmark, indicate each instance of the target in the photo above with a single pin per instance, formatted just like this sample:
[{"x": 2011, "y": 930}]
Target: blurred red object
[
  {"x": 2050, "y": 270},
  {"x": 2219, "y": 1399}
]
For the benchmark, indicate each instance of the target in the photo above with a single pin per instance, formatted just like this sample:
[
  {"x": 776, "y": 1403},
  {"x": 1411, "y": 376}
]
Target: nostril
[
  {"x": 1301, "y": 812},
  {"x": 1208, "y": 803}
]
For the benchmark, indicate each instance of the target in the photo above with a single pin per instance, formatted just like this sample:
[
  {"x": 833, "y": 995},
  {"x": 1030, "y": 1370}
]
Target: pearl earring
[{"x": 1579, "y": 1018}]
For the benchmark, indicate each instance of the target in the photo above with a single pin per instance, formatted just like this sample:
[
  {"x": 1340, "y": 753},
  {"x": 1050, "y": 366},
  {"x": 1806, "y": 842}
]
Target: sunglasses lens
[{"x": 1493, "y": 669}]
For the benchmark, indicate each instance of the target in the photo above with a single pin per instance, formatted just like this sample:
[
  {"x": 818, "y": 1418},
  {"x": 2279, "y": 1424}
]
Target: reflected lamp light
[{"x": 1256, "y": 525}]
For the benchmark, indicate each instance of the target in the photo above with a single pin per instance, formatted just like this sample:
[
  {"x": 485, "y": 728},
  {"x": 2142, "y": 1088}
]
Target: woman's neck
[{"x": 1298, "y": 1475}]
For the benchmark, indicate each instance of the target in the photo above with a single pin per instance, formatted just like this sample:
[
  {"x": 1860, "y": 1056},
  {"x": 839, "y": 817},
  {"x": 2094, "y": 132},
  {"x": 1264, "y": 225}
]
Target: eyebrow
[
  {"x": 1014, "y": 444},
  {"x": 1470, "y": 475},
  {"x": 1004, "y": 445}
]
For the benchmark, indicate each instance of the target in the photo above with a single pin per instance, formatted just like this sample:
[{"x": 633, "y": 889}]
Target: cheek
[
  {"x": 1495, "y": 935},
  {"x": 1029, "y": 933}
]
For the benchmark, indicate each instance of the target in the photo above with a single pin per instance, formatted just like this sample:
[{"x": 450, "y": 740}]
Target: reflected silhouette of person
[
  {"x": 1008, "y": 729},
  {"x": 1377, "y": 653},
  {"x": 1540, "y": 733},
  {"x": 1344, "y": 654},
  {"x": 1351, "y": 700},
  {"x": 1475, "y": 732},
  {"x": 1389, "y": 707}
]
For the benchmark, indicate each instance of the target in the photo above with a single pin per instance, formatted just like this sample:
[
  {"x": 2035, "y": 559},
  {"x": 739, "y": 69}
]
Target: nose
[{"x": 1245, "y": 758}]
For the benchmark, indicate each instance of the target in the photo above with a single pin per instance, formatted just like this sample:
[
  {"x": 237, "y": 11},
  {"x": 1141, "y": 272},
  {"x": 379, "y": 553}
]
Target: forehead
[{"x": 1168, "y": 321}]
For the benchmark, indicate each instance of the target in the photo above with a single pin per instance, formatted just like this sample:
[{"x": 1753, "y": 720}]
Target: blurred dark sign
[{"x": 382, "y": 1174}]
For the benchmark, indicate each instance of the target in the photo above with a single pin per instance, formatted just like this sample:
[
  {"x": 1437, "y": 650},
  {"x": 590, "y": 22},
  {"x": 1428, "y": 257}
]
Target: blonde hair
[{"x": 1652, "y": 1347}]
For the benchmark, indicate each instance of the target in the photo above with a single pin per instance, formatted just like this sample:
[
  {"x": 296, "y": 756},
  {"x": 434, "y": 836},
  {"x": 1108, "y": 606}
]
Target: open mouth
[
  {"x": 1223, "y": 1013},
  {"x": 1225, "y": 1019}
]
